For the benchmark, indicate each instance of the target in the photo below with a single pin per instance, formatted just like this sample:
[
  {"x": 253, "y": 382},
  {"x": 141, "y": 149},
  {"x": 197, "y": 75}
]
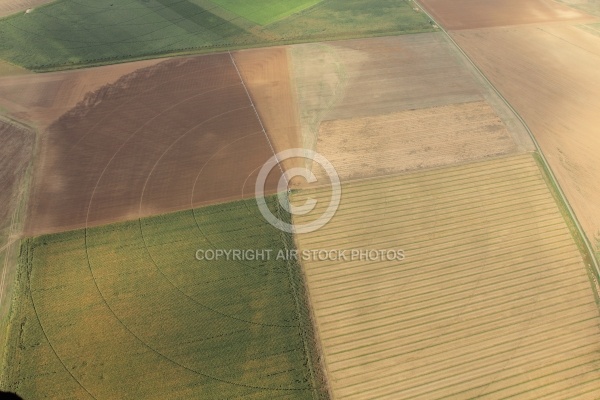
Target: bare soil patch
[
  {"x": 266, "y": 74},
  {"x": 469, "y": 14},
  {"x": 413, "y": 139},
  {"x": 8, "y": 69},
  {"x": 39, "y": 99},
  {"x": 377, "y": 81},
  {"x": 16, "y": 151},
  {"x": 550, "y": 75},
  {"x": 168, "y": 137},
  {"x": 377, "y": 76},
  {"x": 15, "y": 154},
  {"x": 8, "y": 7}
]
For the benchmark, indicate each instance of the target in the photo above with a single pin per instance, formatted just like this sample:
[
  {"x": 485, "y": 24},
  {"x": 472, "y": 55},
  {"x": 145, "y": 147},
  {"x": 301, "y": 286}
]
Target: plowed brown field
[
  {"x": 468, "y": 14},
  {"x": 16, "y": 149},
  {"x": 15, "y": 153},
  {"x": 39, "y": 99},
  {"x": 168, "y": 137},
  {"x": 414, "y": 139},
  {"x": 550, "y": 75},
  {"x": 493, "y": 299}
]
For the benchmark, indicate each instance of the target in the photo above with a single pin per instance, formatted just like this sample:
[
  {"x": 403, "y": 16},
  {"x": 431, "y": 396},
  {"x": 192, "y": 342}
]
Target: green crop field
[
  {"x": 99, "y": 309},
  {"x": 266, "y": 11},
  {"x": 68, "y": 34}
]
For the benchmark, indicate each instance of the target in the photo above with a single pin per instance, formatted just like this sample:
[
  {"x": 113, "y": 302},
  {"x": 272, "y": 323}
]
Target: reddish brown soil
[
  {"x": 16, "y": 146},
  {"x": 168, "y": 137},
  {"x": 467, "y": 14},
  {"x": 39, "y": 99}
]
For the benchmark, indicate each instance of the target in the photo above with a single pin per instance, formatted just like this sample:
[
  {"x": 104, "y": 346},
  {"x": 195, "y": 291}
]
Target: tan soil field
[
  {"x": 39, "y": 99},
  {"x": 469, "y": 14},
  {"x": 413, "y": 139},
  {"x": 8, "y": 7},
  {"x": 266, "y": 74},
  {"x": 492, "y": 300},
  {"x": 359, "y": 78},
  {"x": 169, "y": 137},
  {"x": 8, "y": 69},
  {"x": 354, "y": 95},
  {"x": 550, "y": 75}
]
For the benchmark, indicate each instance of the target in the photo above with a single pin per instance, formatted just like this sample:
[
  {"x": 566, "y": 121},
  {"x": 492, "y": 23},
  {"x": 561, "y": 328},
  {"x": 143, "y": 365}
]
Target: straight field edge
[
  {"x": 306, "y": 317},
  {"x": 18, "y": 252},
  {"x": 580, "y": 241},
  {"x": 216, "y": 49},
  {"x": 314, "y": 361},
  {"x": 21, "y": 294}
]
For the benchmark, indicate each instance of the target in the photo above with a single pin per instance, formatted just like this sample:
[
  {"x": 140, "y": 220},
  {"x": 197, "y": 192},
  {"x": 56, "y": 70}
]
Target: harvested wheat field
[
  {"x": 413, "y": 139},
  {"x": 492, "y": 298},
  {"x": 39, "y": 99},
  {"x": 164, "y": 138},
  {"x": 469, "y": 14},
  {"x": 550, "y": 75}
]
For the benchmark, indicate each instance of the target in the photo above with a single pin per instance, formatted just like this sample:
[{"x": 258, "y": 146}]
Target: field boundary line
[
  {"x": 543, "y": 159},
  {"x": 258, "y": 117}
]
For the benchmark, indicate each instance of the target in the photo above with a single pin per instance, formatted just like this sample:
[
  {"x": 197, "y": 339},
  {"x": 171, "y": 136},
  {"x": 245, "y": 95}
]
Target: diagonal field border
[
  {"x": 258, "y": 117},
  {"x": 551, "y": 175}
]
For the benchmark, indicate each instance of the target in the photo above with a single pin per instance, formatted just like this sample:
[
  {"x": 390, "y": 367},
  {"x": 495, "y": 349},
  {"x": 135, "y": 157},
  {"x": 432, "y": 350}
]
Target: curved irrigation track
[{"x": 250, "y": 133}]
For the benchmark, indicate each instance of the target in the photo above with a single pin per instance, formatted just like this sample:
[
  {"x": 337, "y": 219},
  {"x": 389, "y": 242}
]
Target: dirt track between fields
[
  {"x": 549, "y": 74},
  {"x": 179, "y": 134},
  {"x": 470, "y": 14}
]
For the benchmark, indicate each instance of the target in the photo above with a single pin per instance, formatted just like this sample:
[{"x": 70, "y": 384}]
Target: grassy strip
[
  {"x": 14, "y": 328},
  {"x": 575, "y": 233},
  {"x": 311, "y": 341}
]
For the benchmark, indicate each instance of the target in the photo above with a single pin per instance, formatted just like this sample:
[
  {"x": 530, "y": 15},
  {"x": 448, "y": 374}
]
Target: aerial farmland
[{"x": 308, "y": 199}]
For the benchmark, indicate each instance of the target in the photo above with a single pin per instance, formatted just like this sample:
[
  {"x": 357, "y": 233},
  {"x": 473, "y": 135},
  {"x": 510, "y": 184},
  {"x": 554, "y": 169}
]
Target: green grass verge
[
  {"x": 68, "y": 34},
  {"x": 127, "y": 311},
  {"x": 266, "y": 11},
  {"x": 579, "y": 240}
]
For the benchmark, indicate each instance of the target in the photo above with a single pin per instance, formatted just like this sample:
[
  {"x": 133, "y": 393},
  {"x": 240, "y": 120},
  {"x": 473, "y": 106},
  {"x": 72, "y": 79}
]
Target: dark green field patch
[
  {"x": 68, "y": 34},
  {"x": 127, "y": 311}
]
